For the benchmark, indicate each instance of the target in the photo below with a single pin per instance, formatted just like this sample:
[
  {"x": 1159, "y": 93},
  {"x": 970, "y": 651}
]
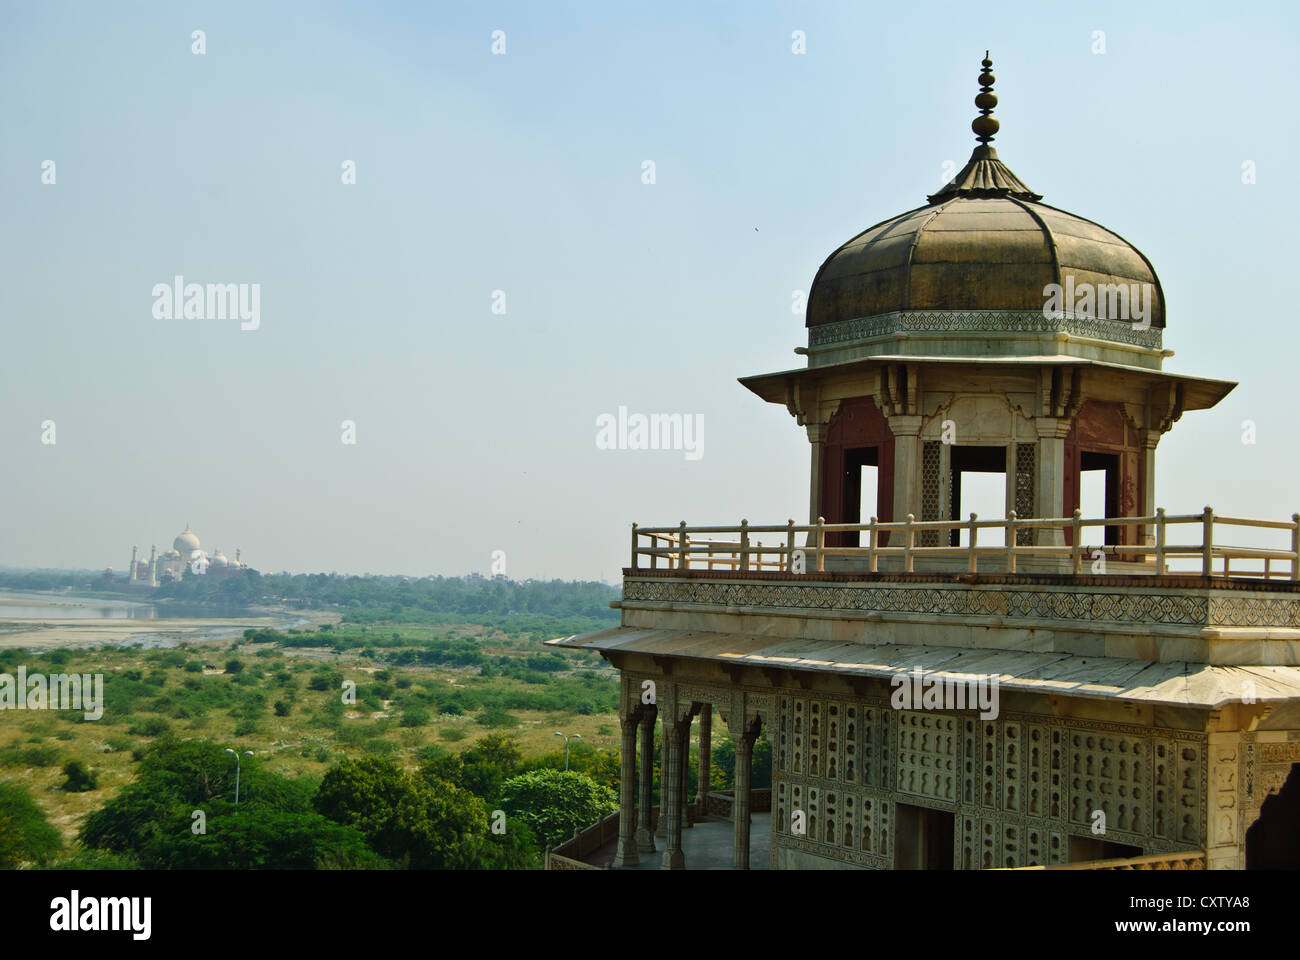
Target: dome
[
  {"x": 219, "y": 560},
  {"x": 986, "y": 242},
  {"x": 186, "y": 543}
]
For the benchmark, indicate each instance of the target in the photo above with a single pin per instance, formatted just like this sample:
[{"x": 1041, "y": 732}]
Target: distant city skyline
[{"x": 440, "y": 271}]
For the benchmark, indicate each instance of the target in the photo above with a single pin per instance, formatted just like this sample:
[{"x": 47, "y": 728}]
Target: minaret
[
  {"x": 153, "y": 565},
  {"x": 130, "y": 571}
]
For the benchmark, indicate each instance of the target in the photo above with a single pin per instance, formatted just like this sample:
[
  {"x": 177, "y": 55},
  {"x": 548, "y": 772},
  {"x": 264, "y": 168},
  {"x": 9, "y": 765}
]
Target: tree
[
  {"x": 554, "y": 803},
  {"x": 261, "y": 839},
  {"x": 425, "y": 823},
  {"x": 151, "y": 818},
  {"x": 601, "y": 765},
  {"x": 25, "y": 835}
]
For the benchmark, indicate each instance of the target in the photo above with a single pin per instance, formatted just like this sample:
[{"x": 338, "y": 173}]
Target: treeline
[{"x": 368, "y": 599}]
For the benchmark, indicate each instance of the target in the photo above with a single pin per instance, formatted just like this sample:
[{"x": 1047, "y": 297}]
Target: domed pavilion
[
  {"x": 1039, "y": 687},
  {"x": 986, "y": 331}
]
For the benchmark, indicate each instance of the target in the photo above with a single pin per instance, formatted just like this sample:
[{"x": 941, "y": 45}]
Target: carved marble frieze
[
  {"x": 1146, "y": 606},
  {"x": 1013, "y": 323}
]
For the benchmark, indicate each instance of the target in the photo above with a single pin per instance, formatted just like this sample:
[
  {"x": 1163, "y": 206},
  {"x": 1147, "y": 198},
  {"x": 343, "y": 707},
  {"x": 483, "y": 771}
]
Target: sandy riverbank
[{"x": 46, "y": 634}]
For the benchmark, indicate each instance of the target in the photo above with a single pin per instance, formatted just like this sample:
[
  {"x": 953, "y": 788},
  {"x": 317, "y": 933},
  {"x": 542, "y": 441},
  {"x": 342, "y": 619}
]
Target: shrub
[
  {"x": 79, "y": 778},
  {"x": 25, "y": 835},
  {"x": 234, "y": 666},
  {"x": 32, "y": 757},
  {"x": 153, "y": 727},
  {"x": 281, "y": 708},
  {"x": 415, "y": 717},
  {"x": 497, "y": 717}
]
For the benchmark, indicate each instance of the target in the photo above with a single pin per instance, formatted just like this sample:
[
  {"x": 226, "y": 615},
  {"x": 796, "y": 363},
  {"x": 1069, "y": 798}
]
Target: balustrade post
[
  {"x": 821, "y": 544},
  {"x": 1295, "y": 546},
  {"x": 744, "y": 544},
  {"x": 971, "y": 537},
  {"x": 1011, "y": 542},
  {"x": 1076, "y": 544},
  {"x": 908, "y": 538},
  {"x": 1160, "y": 540},
  {"x": 789, "y": 546},
  {"x": 682, "y": 555},
  {"x": 1207, "y": 542},
  {"x": 635, "y": 537},
  {"x": 873, "y": 540}
]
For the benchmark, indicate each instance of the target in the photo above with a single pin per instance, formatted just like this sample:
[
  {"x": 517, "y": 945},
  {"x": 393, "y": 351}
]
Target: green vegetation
[
  {"x": 411, "y": 743},
  {"x": 557, "y": 802},
  {"x": 25, "y": 835}
]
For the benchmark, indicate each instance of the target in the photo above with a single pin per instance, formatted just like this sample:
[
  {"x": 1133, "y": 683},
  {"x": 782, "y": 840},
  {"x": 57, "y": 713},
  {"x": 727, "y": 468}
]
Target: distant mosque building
[{"x": 170, "y": 566}]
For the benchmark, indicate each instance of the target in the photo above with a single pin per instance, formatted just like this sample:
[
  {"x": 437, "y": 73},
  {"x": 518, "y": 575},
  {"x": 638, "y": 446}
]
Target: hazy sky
[{"x": 523, "y": 173}]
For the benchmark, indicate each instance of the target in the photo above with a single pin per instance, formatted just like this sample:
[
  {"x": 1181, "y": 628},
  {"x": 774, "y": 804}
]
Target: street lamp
[
  {"x": 247, "y": 753},
  {"x": 576, "y": 736}
]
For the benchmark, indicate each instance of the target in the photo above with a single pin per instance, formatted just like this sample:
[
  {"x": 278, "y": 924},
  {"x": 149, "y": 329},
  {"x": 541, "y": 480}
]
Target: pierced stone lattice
[
  {"x": 927, "y": 755},
  {"x": 1018, "y": 785},
  {"x": 931, "y": 456},
  {"x": 1024, "y": 490}
]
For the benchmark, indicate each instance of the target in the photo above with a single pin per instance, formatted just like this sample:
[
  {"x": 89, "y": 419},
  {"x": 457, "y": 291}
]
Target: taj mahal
[{"x": 170, "y": 565}]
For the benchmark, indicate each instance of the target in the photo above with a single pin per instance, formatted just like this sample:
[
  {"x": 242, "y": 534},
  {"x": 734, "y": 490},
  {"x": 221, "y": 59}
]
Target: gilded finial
[{"x": 985, "y": 126}]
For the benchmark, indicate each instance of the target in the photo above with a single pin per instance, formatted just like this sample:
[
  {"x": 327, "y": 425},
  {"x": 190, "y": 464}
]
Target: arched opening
[{"x": 1273, "y": 841}]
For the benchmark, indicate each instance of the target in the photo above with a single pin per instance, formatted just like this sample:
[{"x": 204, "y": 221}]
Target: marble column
[
  {"x": 1147, "y": 505},
  {"x": 661, "y": 830},
  {"x": 907, "y": 468},
  {"x": 706, "y": 758},
  {"x": 740, "y": 809},
  {"x": 817, "y": 433},
  {"x": 1051, "y": 478},
  {"x": 676, "y": 734},
  {"x": 645, "y": 838},
  {"x": 627, "y": 855},
  {"x": 687, "y": 823}
]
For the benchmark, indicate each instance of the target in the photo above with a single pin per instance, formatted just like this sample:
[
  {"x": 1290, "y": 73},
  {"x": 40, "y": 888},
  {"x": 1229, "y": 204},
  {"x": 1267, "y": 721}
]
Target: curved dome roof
[
  {"x": 983, "y": 242},
  {"x": 186, "y": 543}
]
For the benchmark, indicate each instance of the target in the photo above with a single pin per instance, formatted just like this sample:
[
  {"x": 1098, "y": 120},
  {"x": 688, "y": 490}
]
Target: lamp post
[
  {"x": 247, "y": 753},
  {"x": 576, "y": 736}
]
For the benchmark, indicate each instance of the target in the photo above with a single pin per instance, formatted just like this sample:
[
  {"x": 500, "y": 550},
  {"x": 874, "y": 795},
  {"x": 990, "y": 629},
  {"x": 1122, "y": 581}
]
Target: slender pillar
[
  {"x": 677, "y": 732},
  {"x": 817, "y": 433},
  {"x": 1147, "y": 506},
  {"x": 661, "y": 830},
  {"x": 740, "y": 809},
  {"x": 686, "y": 777},
  {"x": 1050, "y": 501},
  {"x": 706, "y": 757},
  {"x": 645, "y": 838},
  {"x": 627, "y": 855},
  {"x": 907, "y": 466}
]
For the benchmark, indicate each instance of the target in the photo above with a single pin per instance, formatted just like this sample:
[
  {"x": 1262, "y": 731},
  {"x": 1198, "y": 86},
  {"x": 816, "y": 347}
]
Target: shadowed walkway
[{"x": 706, "y": 846}]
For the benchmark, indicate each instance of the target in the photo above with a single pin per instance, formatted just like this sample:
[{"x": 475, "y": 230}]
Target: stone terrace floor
[{"x": 706, "y": 846}]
